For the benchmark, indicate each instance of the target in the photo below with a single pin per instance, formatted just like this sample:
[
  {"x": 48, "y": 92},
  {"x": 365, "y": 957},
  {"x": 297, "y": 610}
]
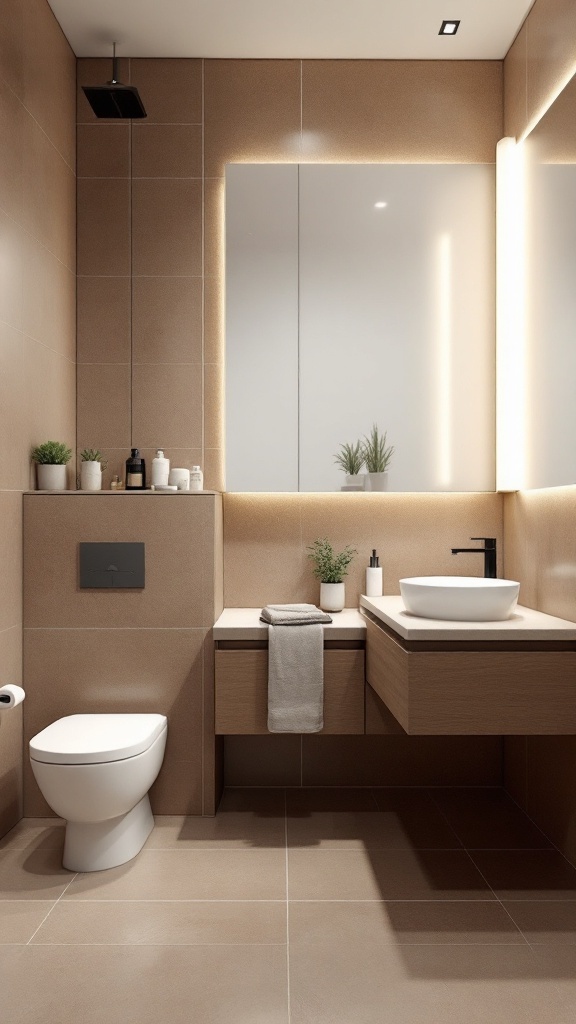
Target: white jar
[
  {"x": 160, "y": 469},
  {"x": 196, "y": 479},
  {"x": 91, "y": 476},
  {"x": 180, "y": 477},
  {"x": 332, "y": 597}
]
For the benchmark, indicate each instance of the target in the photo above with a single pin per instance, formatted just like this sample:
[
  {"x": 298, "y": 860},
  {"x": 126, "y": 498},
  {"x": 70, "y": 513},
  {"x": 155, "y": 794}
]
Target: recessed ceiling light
[
  {"x": 449, "y": 28},
  {"x": 380, "y": 205}
]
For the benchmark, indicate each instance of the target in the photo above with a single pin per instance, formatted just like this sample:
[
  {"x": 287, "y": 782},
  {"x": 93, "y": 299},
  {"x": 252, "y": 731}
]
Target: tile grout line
[
  {"x": 287, "y": 910},
  {"x": 52, "y": 908}
]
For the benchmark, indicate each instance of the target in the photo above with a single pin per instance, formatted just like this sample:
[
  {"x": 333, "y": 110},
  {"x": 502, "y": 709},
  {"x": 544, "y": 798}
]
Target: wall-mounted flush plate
[{"x": 112, "y": 566}]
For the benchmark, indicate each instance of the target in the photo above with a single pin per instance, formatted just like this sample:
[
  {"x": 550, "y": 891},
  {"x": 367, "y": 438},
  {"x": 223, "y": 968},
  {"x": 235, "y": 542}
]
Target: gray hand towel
[{"x": 295, "y": 667}]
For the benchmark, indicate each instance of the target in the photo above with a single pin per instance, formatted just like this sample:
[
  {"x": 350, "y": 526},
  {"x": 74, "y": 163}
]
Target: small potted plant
[
  {"x": 330, "y": 568},
  {"x": 91, "y": 466},
  {"x": 51, "y": 459},
  {"x": 351, "y": 459},
  {"x": 377, "y": 456}
]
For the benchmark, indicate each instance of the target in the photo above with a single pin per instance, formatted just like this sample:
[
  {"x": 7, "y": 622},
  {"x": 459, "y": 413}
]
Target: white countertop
[
  {"x": 525, "y": 624},
  {"x": 244, "y": 624}
]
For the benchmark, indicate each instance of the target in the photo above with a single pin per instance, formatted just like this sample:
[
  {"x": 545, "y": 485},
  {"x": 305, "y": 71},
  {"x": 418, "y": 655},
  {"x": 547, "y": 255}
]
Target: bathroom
[{"x": 102, "y": 345}]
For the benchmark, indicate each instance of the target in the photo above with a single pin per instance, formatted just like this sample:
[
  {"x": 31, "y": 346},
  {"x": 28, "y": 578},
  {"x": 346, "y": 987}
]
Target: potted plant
[
  {"x": 330, "y": 568},
  {"x": 51, "y": 459},
  {"x": 377, "y": 456},
  {"x": 91, "y": 467},
  {"x": 351, "y": 459}
]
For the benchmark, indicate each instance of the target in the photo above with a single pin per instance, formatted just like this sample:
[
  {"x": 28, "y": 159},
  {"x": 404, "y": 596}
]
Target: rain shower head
[{"x": 114, "y": 99}]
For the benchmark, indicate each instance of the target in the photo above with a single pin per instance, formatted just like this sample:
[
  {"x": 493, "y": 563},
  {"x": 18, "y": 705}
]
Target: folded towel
[{"x": 295, "y": 667}]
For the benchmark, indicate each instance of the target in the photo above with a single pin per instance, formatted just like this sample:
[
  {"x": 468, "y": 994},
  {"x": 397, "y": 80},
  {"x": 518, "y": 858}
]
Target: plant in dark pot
[
  {"x": 51, "y": 458},
  {"x": 330, "y": 568}
]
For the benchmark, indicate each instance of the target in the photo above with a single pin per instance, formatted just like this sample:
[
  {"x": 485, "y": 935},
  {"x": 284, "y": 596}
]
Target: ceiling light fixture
[
  {"x": 449, "y": 28},
  {"x": 380, "y": 205}
]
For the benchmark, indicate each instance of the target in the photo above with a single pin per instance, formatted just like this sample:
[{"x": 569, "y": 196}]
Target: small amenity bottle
[
  {"x": 160, "y": 470},
  {"x": 374, "y": 576},
  {"x": 135, "y": 472},
  {"x": 196, "y": 479}
]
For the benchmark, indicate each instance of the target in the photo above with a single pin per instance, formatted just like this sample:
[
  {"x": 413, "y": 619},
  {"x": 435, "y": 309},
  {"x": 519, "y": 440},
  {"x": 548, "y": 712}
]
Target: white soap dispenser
[
  {"x": 160, "y": 470},
  {"x": 374, "y": 576}
]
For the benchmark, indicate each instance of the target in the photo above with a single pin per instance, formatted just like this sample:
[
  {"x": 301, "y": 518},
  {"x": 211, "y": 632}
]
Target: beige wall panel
[
  {"x": 50, "y": 382},
  {"x": 251, "y": 112},
  {"x": 263, "y": 558},
  {"x": 10, "y": 755},
  {"x": 12, "y": 118},
  {"x": 49, "y": 77},
  {"x": 167, "y": 319},
  {"x": 214, "y": 315},
  {"x": 77, "y": 671},
  {"x": 11, "y": 562},
  {"x": 214, "y": 405},
  {"x": 104, "y": 317},
  {"x": 104, "y": 226},
  {"x": 12, "y": 46},
  {"x": 166, "y": 150},
  {"x": 11, "y": 282},
  {"x": 96, "y": 71},
  {"x": 14, "y": 454},
  {"x": 401, "y": 111},
  {"x": 551, "y": 53},
  {"x": 167, "y": 405},
  {"x": 167, "y": 226},
  {"x": 178, "y": 788},
  {"x": 214, "y": 478},
  {"x": 262, "y": 760},
  {"x": 515, "y": 86},
  {"x": 176, "y": 529},
  {"x": 49, "y": 299},
  {"x": 104, "y": 397},
  {"x": 171, "y": 90},
  {"x": 214, "y": 240},
  {"x": 401, "y": 761},
  {"x": 103, "y": 150},
  {"x": 49, "y": 185}
]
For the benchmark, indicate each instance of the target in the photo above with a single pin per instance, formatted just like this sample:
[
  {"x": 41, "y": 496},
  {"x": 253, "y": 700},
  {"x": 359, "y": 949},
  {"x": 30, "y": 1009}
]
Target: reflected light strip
[
  {"x": 444, "y": 361},
  {"x": 560, "y": 86},
  {"x": 510, "y": 317}
]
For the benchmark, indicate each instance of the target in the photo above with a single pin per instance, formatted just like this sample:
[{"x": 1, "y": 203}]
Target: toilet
[{"x": 95, "y": 772}]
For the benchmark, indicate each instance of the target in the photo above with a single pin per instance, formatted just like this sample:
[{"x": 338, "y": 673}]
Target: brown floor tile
[
  {"x": 559, "y": 964},
  {"x": 35, "y": 834},
  {"x": 189, "y": 875},
  {"x": 164, "y": 923},
  {"x": 549, "y": 922},
  {"x": 384, "y": 874},
  {"x": 527, "y": 874},
  {"x": 36, "y": 875},
  {"x": 144, "y": 984},
  {"x": 488, "y": 819},
  {"x": 245, "y": 818},
  {"x": 349, "y": 819},
  {"x": 418, "y": 922},
  {"x": 19, "y": 919}
]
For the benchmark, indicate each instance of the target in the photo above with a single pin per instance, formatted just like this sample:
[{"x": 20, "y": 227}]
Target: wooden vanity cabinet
[
  {"x": 241, "y": 687},
  {"x": 477, "y": 687}
]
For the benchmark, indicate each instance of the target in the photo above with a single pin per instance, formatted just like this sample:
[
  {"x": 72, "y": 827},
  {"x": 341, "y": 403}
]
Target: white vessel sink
[{"x": 460, "y": 598}]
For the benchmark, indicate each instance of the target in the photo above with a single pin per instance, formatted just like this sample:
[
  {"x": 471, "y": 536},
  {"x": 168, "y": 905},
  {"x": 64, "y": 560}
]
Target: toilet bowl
[{"x": 95, "y": 772}]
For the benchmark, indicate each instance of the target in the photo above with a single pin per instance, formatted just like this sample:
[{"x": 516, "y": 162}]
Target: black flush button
[{"x": 112, "y": 566}]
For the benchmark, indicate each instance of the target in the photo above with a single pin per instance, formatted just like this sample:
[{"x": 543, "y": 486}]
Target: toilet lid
[{"x": 94, "y": 739}]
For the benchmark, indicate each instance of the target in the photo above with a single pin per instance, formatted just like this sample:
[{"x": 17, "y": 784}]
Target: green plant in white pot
[
  {"x": 350, "y": 458},
  {"x": 51, "y": 458},
  {"x": 330, "y": 568},
  {"x": 92, "y": 465},
  {"x": 377, "y": 456}
]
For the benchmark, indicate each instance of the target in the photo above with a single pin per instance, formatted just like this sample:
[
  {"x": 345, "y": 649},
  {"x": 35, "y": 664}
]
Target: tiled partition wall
[
  {"x": 265, "y": 560},
  {"x": 37, "y": 306},
  {"x": 125, "y": 651},
  {"x": 150, "y": 214},
  {"x": 539, "y": 526}
]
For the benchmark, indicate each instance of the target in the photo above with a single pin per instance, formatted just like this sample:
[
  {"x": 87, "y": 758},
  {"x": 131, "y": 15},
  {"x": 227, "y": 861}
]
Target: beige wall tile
[
  {"x": 11, "y": 281},
  {"x": 263, "y": 558},
  {"x": 104, "y": 319},
  {"x": 11, "y": 561},
  {"x": 12, "y": 46},
  {"x": 96, "y": 71},
  {"x": 49, "y": 78},
  {"x": 12, "y": 116},
  {"x": 50, "y": 387},
  {"x": 214, "y": 317},
  {"x": 104, "y": 404},
  {"x": 103, "y": 226},
  {"x": 11, "y": 804},
  {"x": 167, "y": 319},
  {"x": 49, "y": 299},
  {"x": 167, "y": 226},
  {"x": 167, "y": 405},
  {"x": 423, "y": 110},
  {"x": 214, "y": 477},
  {"x": 176, "y": 578},
  {"x": 49, "y": 186},
  {"x": 251, "y": 112},
  {"x": 14, "y": 453},
  {"x": 170, "y": 89},
  {"x": 214, "y": 405},
  {"x": 214, "y": 239},
  {"x": 551, "y": 50},
  {"x": 166, "y": 151},
  {"x": 515, "y": 91},
  {"x": 103, "y": 150}
]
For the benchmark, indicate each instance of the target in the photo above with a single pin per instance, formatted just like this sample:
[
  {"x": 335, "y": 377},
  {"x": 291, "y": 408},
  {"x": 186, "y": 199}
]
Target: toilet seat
[{"x": 96, "y": 739}]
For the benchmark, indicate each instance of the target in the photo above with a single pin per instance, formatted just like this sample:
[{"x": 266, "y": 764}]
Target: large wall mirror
[
  {"x": 550, "y": 296},
  {"x": 360, "y": 295}
]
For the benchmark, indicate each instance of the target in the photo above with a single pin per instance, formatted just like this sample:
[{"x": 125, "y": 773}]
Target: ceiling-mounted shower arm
[{"x": 114, "y": 80}]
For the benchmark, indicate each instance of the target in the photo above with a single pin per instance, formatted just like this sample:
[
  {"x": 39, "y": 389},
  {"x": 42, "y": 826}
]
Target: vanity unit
[
  {"x": 517, "y": 676},
  {"x": 241, "y": 673}
]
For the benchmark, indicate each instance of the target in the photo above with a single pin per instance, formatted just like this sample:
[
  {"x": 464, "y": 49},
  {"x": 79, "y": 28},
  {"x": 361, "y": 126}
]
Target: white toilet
[{"x": 95, "y": 772}]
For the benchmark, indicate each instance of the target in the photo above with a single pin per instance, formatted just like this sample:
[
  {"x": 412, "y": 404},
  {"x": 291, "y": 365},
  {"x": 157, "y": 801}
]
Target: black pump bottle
[{"x": 135, "y": 472}]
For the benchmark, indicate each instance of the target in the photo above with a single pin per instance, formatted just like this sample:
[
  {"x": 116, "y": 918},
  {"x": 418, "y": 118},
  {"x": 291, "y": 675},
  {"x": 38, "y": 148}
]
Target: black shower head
[{"x": 114, "y": 99}]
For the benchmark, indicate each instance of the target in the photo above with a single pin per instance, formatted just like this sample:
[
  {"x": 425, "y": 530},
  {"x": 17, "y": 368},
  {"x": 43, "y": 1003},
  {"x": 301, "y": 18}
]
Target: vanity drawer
[{"x": 241, "y": 691}]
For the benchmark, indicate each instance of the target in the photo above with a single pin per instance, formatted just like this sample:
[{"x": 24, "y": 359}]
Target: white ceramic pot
[
  {"x": 51, "y": 478},
  {"x": 355, "y": 479},
  {"x": 91, "y": 476},
  {"x": 377, "y": 481},
  {"x": 332, "y": 597}
]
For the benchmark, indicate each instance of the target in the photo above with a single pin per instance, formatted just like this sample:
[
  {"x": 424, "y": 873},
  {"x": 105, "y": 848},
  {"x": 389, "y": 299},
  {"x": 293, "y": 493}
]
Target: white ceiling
[{"x": 338, "y": 29}]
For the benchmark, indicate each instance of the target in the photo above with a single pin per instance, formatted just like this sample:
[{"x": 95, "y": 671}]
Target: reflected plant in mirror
[
  {"x": 350, "y": 459},
  {"x": 377, "y": 456}
]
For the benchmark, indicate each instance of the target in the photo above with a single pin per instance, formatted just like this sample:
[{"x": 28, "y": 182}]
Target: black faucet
[{"x": 489, "y": 552}]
